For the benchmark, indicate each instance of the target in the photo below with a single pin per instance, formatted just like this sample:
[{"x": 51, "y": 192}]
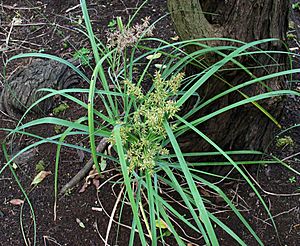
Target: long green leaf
[
  {"x": 199, "y": 202},
  {"x": 23, "y": 191},
  {"x": 52, "y": 57},
  {"x": 234, "y": 164},
  {"x": 127, "y": 182}
]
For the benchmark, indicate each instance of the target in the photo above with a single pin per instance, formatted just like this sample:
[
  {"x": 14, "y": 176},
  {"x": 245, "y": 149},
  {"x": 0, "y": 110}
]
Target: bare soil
[{"x": 51, "y": 27}]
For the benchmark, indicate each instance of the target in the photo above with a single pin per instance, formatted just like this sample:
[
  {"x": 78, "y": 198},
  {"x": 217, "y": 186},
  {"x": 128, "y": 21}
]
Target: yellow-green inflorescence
[{"x": 143, "y": 132}]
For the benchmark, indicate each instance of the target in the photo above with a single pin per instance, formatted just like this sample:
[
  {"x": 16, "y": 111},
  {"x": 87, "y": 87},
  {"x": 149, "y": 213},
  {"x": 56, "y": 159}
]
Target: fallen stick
[{"x": 85, "y": 170}]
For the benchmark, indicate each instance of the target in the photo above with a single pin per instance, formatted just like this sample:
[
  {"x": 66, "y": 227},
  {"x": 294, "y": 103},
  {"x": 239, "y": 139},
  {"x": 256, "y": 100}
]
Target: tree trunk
[{"x": 245, "y": 127}]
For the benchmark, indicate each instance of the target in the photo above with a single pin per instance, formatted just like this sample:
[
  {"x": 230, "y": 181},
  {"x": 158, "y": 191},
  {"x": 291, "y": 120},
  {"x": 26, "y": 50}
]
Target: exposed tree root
[{"x": 86, "y": 168}]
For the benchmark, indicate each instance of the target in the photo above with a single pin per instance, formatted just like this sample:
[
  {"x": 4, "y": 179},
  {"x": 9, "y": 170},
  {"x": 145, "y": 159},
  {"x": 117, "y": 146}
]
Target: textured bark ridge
[
  {"x": 21, "y": 90},
  {"x": 245, "y": 127},
  {"x": 237, "y": 19}
]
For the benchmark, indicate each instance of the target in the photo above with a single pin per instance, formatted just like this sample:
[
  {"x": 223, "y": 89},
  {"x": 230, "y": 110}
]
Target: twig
[
  {"x": 291, "y": 156},
  {"x": 9, "y": 33},
  {"x": 98, "y": 232},
  {"x": 285, "y": 212},
  {"x": 22, "y": 41},
  {"x": 112, "y": 216},
  {"x": 126, "y": 9},
  {"x": 27, "y": 24},
  {"x": 271, "y": 193},
  {"x": 17, "y": 8},
  {"x": 72, "y": 8},
  {"x": 50, "y": 239},
  {"x": 115, "y": 221},
  {"x": 84, "y": 171}
]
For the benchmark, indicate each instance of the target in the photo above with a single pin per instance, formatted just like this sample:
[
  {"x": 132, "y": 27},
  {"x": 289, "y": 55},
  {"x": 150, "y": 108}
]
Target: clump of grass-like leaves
[{"x": 143, "y": 127}]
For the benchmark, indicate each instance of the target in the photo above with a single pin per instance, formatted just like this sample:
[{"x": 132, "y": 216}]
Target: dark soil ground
[{"x": 50, "y": 26}]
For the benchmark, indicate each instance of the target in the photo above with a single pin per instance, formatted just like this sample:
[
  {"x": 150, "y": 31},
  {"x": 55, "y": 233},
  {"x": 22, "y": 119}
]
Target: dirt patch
[{"x": 52, "y": 27}]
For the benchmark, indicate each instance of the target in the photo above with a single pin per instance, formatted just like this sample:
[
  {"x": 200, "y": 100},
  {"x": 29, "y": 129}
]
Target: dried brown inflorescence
[{"x": 129, "y": 36}]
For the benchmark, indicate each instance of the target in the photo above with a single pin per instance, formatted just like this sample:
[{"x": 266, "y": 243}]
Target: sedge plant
[{"x": 143, "y": 125}]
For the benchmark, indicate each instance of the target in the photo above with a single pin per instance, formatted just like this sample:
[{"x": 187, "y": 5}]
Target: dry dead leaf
[
  {"x": 94, "y": 177},
  {"x": 80, "y": 154},
  {"x": 294, "y": 48},
  {"x": 159, "y": 66},
  {"x": 93, "y": 173},
  {"x": 175, "y": 38},
  {"x": 205, "y": 193},
  {"x": 152, "y": 57},
  {"x": 83, "y": 188},
  {"x": 16, "y": 202},
  {"x": 96, "y": 183},
  {"x": 40, "y": 177}
]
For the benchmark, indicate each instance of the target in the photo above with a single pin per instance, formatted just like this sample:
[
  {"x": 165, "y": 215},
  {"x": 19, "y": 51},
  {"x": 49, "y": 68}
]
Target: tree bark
[{"x": 245, "y": 127}]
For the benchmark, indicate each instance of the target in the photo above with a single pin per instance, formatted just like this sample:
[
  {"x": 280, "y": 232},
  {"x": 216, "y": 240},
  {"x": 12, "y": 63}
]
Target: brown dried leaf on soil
[
  {"x": 83, "y": 188},
  {"x": 16, "y": 202},
  {"x": 80, "y": 154},
  {"x": 94, "y": 176},
  {"x": 40, "y": 177}
]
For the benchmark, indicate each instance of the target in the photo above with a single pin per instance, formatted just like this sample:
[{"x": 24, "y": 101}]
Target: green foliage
[
  {"x": 143, "y": 127},
  {"x": 83, "y": 55},
  {"x": 60, "y": 108},
  {"x": 65, "y": 45},
  {"x": 292, "y": 179},
  {"x": 9, "y": 164},
  {"x": 112, "y": 24},
  {"x": 58, "y": 129},
  {"x": 284, "y": 141},
  {"x": 292, "y": 25},
  {"x": 40, "y": 166},
  {"x": 291, "y": 36},
  {"x": 296, "y": 6}
]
